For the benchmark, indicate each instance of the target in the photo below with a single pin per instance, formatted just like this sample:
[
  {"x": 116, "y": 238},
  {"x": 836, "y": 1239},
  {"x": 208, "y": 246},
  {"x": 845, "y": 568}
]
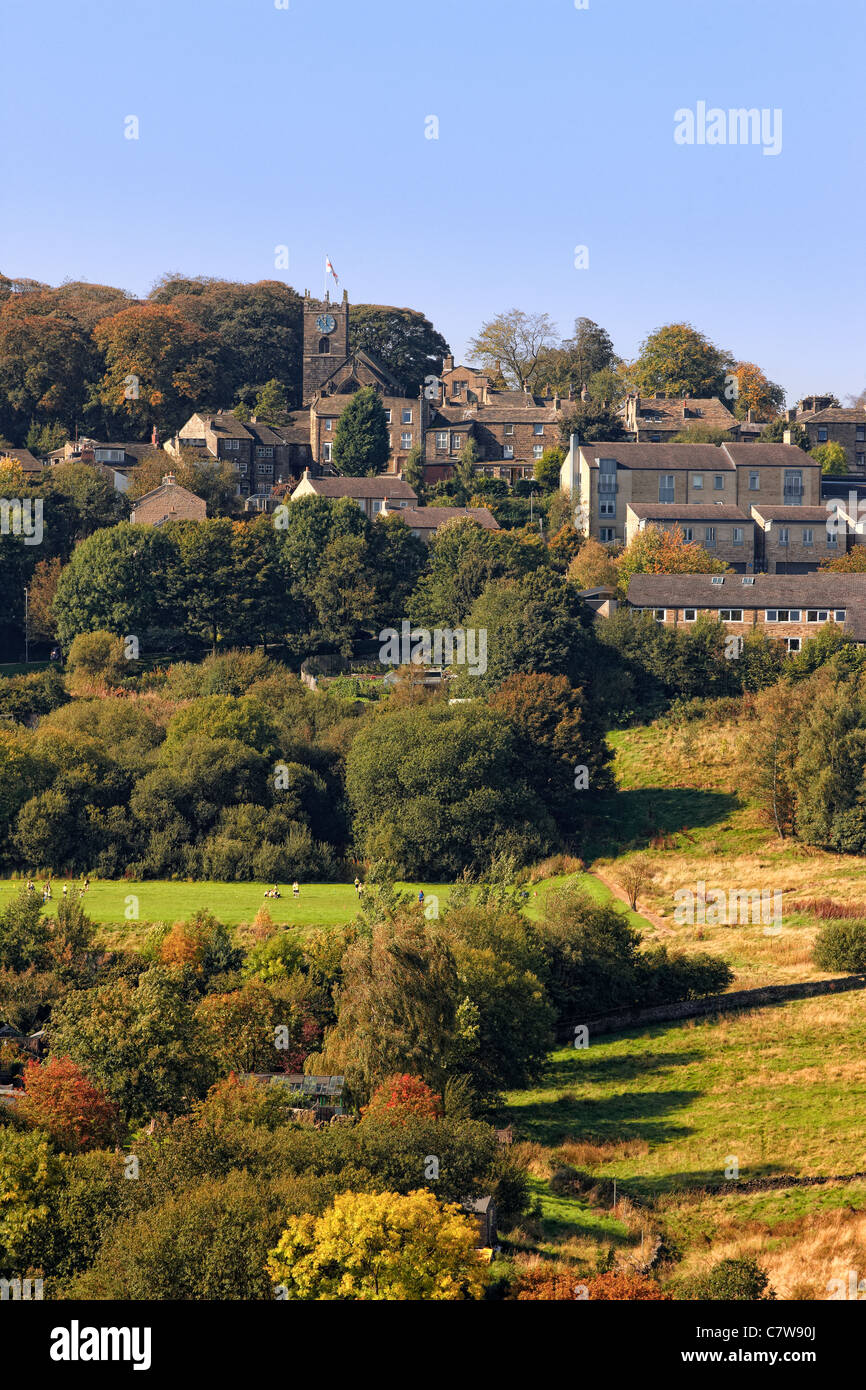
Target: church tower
[{"x": 326, "y": 340}]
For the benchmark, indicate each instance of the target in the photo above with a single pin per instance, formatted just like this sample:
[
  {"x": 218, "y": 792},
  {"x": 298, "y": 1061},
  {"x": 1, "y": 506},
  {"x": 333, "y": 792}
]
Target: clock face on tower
[{"x": 326, "y": 323}]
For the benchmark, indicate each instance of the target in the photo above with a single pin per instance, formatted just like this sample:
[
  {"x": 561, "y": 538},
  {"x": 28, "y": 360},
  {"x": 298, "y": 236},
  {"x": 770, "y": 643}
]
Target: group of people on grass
[
  {"x": 48, "y": 892},
  {"x": 275, "y": 892}
]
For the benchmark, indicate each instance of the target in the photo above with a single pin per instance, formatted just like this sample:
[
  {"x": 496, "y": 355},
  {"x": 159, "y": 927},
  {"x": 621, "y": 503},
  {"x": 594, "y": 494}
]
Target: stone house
[
  {"x": 168, "y": 502},
  {"x": 656, "y": 419},
  {"x": 372, "y": 495}
]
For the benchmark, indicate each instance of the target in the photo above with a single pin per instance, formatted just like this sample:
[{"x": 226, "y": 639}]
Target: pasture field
[
  {"x": 780, "y": 1091},
  {"x": 159, "y": 900}
]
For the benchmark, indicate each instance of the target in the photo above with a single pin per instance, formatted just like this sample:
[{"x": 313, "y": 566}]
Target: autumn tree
[
  {"x": 576, "y": 360},
  {"x": 515, "y": 341},
  {"x": 380, "y": 1246},
  {"x": 158, "y": 367},
  {"x": 663, "y": 550},
  {"x": 593, "y": 566},
  {"x": 755, "y": 392},
  {"x": 60, "y": 1098},
  {"x": 403, "y": 1095},
  {"x": 678, "y": 360}
]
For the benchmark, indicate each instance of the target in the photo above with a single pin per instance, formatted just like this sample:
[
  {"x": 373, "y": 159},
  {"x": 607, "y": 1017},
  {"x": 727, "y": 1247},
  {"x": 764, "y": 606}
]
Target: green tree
[
  {"x": 775, "y": 432},
  {"x": 832, "y": 457},
  {"x": 547, "y": 468},
  {"x": 115, "y": 581},
  {"x": 272, "y": 403},
  {"x": 361, "y": 445},
  {"x": 403, "y": 340}
]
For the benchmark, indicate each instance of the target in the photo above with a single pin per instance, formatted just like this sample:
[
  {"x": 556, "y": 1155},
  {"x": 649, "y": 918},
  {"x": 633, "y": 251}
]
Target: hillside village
[{"x": 429, "y": 772}]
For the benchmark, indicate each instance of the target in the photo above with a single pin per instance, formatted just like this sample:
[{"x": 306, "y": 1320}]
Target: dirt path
[{"x": 619, "y": 892}]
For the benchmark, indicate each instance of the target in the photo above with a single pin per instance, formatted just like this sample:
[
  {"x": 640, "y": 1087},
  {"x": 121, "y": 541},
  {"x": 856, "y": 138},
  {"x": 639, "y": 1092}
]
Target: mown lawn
[{"x": 117, "y": 902}]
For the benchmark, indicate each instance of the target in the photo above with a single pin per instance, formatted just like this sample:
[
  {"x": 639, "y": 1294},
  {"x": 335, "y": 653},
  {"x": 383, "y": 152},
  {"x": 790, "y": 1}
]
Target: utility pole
[{"x": 26, "y": 626}]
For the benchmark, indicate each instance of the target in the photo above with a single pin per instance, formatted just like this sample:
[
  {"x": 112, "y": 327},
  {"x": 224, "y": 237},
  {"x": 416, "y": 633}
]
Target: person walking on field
[{"x": 295, "y": 889}]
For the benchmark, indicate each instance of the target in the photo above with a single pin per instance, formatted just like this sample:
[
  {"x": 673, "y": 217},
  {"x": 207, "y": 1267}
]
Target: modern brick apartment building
[
  {"x": 606, "y": 479},
  {"x": 788, "y": 607}
]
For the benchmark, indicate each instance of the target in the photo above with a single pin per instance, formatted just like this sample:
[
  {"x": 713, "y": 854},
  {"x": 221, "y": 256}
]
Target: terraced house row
[{"x": 789, "y": 608}]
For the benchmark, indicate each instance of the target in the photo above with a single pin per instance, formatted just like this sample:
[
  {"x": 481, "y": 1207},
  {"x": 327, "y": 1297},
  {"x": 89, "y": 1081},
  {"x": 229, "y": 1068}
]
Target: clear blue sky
[{"x": 305, "y": 127}]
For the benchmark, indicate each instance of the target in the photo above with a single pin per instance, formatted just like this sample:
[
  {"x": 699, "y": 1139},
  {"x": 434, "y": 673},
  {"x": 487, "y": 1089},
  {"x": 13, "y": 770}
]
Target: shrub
[
  {"x": 96, "y": 660},
  {"x": 739, "y": 1280},
  {"x": 841, "y": 946},
  {"x": 400, "y": 1096},
  {"x": 826, "y": 907}
]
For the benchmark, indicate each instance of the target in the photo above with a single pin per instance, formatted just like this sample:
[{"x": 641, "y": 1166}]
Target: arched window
[{"x": 324, "y": 345}]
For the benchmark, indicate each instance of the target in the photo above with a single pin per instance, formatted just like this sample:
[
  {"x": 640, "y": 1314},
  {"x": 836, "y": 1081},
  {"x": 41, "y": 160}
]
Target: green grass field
[{"x": 116, "y": 901}]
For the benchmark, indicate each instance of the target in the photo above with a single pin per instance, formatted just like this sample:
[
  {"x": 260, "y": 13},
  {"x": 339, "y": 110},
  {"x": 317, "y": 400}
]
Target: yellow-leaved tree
[{"x": 380, "y": 1246}]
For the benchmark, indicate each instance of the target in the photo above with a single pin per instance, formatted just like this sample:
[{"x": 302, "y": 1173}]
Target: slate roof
[
  {"x": 385, "y": 485},
  {"x": 693, "y": 511},
  {"x": 668, "y": 412},
  {"x": 702, "y": 458},
  {"x": 764, "y": 455},
  {"x": 817, "y": 590},
  {"x": 806, "y": 514}
]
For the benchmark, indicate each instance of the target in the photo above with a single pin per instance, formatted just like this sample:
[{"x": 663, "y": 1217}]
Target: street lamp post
[{"x": 26, "y": 626}]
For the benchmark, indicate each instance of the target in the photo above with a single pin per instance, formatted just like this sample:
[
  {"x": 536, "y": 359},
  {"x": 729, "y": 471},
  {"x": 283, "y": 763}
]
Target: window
[
  {"x": 840, "y": 615},
  {"x": 266, "y": 470},
  {"x": 441, "y": 439},
  {"x": 808, "y": 536},
  {"x": 718, "y": 482},
  {"x": 607, "y": 508},
  {"x": 538, "y": 428},
  {"x": 793, "y": 644},
  {"x": 709, "y": 535},
  {"x": 689, "y": 615},
  {"x": 860, "y": 435},
  {"x": 822, "y": 434},
  {"x": 406, "y": 439},
  {"x": 737, "y": 535},
  {"x": 782, "y": 615},
  {"x": 783, "y": 535},
  {"x": 861, "y": 460},
  {"x": 387, "y": 416},
  {"x": 324, "y": 345},
  {"x": 607, "y": 533},
  {"x": 655, "y": 439},
  {"x": 659, "y": 614},
  {"x": 731, "y": 615},
  {"x": 698, "y": 480},
  {"x": 264, "y": 451},
  {"x": 508, "y": 451},
  {"x": 456, "y": 441},
  {"x": 793, "y": 487},
  {"x": 817, "y": 615},
  {"x": 326, "y": 452},
  {"x": 537, "y": 451},
  {"x": 457, "y": 387},
  {"x": 718, "y": 579},
  {"x": 666, "y": 487},
  {"x": 406, "y": 416},
  {"x": 754, "y": 482},
  {"x": 832, "y": 539},
  {"x": 607, "y": 475},
  {"x": 688, "y": 534},
  {"x": 509, "y": 429},
  {"x": 749, "y": 579}
]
